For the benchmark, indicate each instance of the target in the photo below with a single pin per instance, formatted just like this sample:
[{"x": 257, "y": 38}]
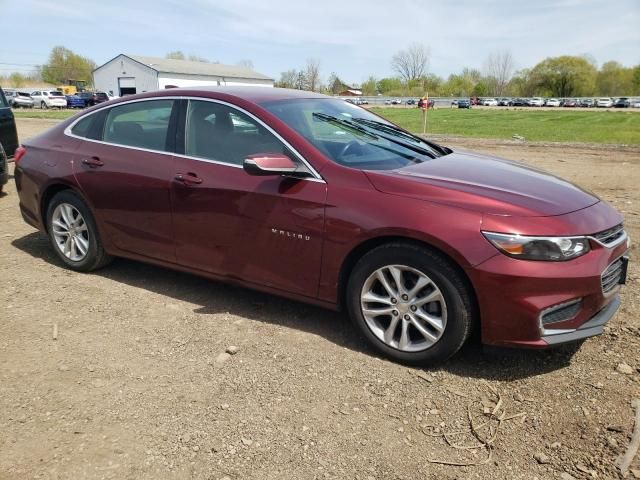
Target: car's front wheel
[
  {"x": 73, "y": 233},
  {"x": 410, "y": 303}
]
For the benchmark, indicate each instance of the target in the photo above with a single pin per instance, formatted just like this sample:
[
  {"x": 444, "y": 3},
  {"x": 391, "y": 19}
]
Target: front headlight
[{"x": 552, "y": 249}]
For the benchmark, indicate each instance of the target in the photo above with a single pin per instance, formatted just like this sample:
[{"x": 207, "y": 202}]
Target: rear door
[
  {"x": 124, "y": 167},
  {"x": 8, "y": 133}
]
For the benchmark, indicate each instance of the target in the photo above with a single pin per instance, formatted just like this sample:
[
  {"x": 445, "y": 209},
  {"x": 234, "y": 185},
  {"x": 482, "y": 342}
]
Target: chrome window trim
[{"x": 67, "y": 131}]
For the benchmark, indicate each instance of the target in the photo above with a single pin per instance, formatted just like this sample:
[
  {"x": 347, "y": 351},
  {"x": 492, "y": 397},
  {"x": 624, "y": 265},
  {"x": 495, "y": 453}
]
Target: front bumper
[
  {"x": 513, "y": 296},
  {"x": 590, "y": 328}
]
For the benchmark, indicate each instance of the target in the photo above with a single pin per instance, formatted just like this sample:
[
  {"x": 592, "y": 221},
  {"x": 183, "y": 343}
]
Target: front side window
[
  {"x": 3, "y": 101},
  {"x": 217, "y": 132},
  {"x": 351, "y": 136},
  {"x": 141, "y": 124}
]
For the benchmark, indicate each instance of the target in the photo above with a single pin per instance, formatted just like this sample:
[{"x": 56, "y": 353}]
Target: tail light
[{"x": 17, "y": 156}]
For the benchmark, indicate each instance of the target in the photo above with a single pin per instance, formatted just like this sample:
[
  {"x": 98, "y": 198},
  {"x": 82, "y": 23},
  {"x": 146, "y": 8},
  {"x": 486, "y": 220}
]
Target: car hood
[{"x": 486, "y": 184}]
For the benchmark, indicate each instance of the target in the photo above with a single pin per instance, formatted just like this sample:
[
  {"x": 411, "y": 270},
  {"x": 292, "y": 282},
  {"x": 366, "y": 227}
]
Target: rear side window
[
  {"x": 3, "y": 101},
  {"x": 83, "y": 127},
  {"x": 141, "y": 124}
]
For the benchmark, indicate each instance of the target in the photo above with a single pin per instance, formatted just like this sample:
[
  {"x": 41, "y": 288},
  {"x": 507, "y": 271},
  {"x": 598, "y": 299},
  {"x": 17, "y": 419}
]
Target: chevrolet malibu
[{"x": 321, "y": 201}]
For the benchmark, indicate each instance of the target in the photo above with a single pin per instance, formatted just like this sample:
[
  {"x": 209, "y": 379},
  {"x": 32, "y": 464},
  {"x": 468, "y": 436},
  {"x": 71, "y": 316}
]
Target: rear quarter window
[{"x": 141, "y": 124}]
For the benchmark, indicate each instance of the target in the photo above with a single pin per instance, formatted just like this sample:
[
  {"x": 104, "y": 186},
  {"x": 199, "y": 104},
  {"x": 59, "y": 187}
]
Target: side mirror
[{"x": 263, "y": 164}]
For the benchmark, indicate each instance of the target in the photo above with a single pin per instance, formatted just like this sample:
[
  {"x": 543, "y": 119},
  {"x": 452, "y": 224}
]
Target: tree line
[{"x": 563, "y": 76}]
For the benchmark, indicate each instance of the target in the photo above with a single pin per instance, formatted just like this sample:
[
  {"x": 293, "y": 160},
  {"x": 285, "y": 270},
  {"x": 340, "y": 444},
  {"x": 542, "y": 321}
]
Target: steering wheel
[{"x": 347, "y": 147}]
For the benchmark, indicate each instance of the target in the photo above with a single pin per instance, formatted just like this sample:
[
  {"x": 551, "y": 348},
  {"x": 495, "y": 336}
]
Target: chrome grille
[
  {"x": 609, "y": 236},
  {"x": 611, "y": 276}
]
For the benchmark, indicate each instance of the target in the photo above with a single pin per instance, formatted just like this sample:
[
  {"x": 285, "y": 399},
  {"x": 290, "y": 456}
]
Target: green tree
[
  {"x": 614, "y": 79},
  {"x": 65, "y": 65},
  {"x": 176, "y": 55},
  {"x": 387, "y": 85},
  {"x": 564, "y": 76},
  {"x": 334, "y": 84},
  {"x": 17, "y": 80},
  {"x": 288, "y": 79},
  {"x": 369, "y": 86}
]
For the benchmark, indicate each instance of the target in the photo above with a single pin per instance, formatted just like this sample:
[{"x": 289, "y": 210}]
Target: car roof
[{"x": 251, "y": 94}]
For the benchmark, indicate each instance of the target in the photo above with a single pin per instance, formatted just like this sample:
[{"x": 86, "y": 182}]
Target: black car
[
  {"x": 622, "y": 102},
  {"x": 464, "y": 103},
  {"x": 587, "y": 103},
  {"x": 93, "y": 98},
  {"x": 411, "y": 102},
  {"x": 8, "y": 137},
  {"x": 518, "y": 102}
]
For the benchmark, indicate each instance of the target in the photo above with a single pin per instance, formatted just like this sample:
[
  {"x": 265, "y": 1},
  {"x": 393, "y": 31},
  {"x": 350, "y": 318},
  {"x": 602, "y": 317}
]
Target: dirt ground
[{"x": 135, "y": 386}]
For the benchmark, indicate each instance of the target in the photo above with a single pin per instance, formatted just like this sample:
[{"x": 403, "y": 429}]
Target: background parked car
[
  {"x": 74, "y": 101},
  {"x": 464, "y": 103},
  {"x": 622, "y": 102},
  {"x": 586, "y": 103},
  {"x": 570, "y": 102},
  {"x": 503, "y": 102},
  {"x": 18, "y": 99},
  {"x": 635, "y": 103},
  {"x": 48, "y": 99},
  {"x": 518, "y": 102},
  {"x": 397, "y": 101},
  {"x": 552, "y": 102},
  {"x": 490, "y": 102},
  {"x": 536, "y": 102},
  {"x": 604, "y": 102},
  {"x": 8, "y": 132},
  {"x": 411, "y": 102}
]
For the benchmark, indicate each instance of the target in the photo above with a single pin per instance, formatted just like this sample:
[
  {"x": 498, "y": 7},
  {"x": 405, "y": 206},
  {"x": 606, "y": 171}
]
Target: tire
[
  {"x": 450, "y": 316},
  {"x": 94, "y": 256},
  {"x": 43, "y": 105}
]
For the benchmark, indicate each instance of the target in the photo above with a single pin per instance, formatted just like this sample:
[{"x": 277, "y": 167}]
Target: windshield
[{"x": 352, "y": 136}]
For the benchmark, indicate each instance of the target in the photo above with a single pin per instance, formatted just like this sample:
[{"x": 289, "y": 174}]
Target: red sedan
[{"x": 319, "y": 200}]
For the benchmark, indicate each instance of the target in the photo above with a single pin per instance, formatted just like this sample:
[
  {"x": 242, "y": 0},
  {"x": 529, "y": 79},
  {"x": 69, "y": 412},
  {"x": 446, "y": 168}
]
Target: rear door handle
[
  {"x": 92, "y": 162},
  {"x": 188, "y": 178}
]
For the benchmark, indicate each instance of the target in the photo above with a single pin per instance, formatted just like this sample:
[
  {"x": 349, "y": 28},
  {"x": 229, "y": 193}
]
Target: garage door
[{"x": 127, "y": 85}]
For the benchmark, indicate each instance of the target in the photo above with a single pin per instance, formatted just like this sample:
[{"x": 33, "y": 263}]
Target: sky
[{"x": 354, "y": 38}]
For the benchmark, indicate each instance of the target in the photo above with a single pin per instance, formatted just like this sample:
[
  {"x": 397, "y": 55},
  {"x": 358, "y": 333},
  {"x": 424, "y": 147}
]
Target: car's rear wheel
[
  {"x": 43, "y": 105},
  {"x": 410, "y": 303},
  {"x": 73, "y": 233}
]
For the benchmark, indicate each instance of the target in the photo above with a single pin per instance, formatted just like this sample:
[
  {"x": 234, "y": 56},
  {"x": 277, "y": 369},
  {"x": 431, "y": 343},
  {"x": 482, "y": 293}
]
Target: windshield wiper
[
  {"x": 396, "y": 131},
  {"x": 345, "y": 123}
]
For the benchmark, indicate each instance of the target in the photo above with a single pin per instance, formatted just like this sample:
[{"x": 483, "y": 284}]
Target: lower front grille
[
  {"x": 612, "y": 275},
  {"x": 561, "y": 313}
]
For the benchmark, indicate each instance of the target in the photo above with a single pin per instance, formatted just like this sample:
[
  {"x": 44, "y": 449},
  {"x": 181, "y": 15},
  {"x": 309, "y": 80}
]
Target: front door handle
[
  {"x": 188, "y": 178},
  {"x": 92, "y": 162}
]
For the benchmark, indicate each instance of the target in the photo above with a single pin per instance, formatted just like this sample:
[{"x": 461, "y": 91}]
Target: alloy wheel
[
  {"x": 70, "y": 232},
  {"x": 403, "y": 308}
]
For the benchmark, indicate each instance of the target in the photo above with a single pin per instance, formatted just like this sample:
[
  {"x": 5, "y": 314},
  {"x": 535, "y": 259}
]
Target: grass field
[
  {"x": 46, "y": 114},
  {"x": 553, "y": 126},
  {"x": 542, "y": 125}
]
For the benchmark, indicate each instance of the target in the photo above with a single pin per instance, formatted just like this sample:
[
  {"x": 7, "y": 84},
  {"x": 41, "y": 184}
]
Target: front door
[
  {"x": 127, "y": 174},
  {"x": 262, "y": 230}
]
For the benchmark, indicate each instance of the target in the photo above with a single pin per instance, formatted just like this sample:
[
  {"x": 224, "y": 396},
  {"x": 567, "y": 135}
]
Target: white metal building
[{"x": 129, "y": 74}]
